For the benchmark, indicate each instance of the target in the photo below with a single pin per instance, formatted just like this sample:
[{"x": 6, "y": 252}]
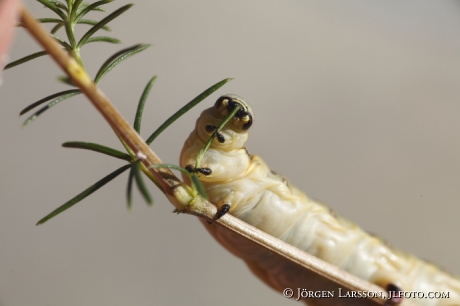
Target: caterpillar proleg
[{"x": 244, "y": 185}]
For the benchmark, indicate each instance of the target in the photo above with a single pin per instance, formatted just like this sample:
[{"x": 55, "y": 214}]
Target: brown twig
[{"x": 174, "y": 188}]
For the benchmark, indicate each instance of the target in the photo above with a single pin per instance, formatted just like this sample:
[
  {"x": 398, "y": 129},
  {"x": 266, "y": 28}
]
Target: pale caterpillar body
[{"x": 267, "y": 201}]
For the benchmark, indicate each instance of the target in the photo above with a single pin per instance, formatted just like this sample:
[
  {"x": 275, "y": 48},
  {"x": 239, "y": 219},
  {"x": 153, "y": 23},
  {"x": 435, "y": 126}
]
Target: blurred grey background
[{"x": 356, "y": 102}]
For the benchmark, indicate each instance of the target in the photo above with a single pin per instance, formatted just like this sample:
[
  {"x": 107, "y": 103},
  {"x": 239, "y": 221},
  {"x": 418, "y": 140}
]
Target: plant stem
[{"x": 177, "y": 192}]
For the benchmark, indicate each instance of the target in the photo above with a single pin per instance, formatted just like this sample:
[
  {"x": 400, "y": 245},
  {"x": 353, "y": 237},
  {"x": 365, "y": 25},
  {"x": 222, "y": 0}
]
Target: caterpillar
[{"x": 244, "y": 186}]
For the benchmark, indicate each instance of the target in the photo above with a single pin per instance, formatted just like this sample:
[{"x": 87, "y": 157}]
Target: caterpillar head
[
  {"x": 235, "y": 132},
  {"x": 243, "y": 118}
]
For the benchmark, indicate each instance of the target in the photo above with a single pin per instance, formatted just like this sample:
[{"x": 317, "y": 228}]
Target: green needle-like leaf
[
  {"x": 136, "y": 174},
  {"x": 97, "y": 148},
  {"x": 92, "y": 22},
  {"x": 69, "y": 3},
  {"x": 62, "y": 43},
  {"x": 103, "y": 22},
  {"x": 69, "y": 30},
  {"x": 53, "y": 96},
  {"x": 84, "y": 194},
  {"x": 129, "y": 187},
  {"x": 140, "y": 106},
  {"x": 52, "y": 6},
  {"x": 82, "y": 6},
  {"x": 117, "y": 58},
  {"x": 91, "y": 7},
  {"x": 140, "y": 184},
  {"x": 185, "y": 109},
  {"x": 49, "y": 20},
  {"x": 48, "y": 106},
  {"x": 60, "y": 5},
  {"x": 66, "y": 80},
  {"x": 102, "y": 39},
  {"x": 199, "y": 187},
  {"x": 74, "y": 10},
  {"x": 171, "y": 166},
  {"x": 41, "y": 20},
  {"x": 25, "y": 59},
  {"x": 98, "y": 9},
  {"x": 56, "y": 28}
]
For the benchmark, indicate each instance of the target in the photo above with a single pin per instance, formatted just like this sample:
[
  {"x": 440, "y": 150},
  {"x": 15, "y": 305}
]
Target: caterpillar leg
[
  {"x": 222, "y": 211},
  {"x": 205, "y": 171},
  {"x": 212, "y": 128},
  {"x": 394, "y": 294}
]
